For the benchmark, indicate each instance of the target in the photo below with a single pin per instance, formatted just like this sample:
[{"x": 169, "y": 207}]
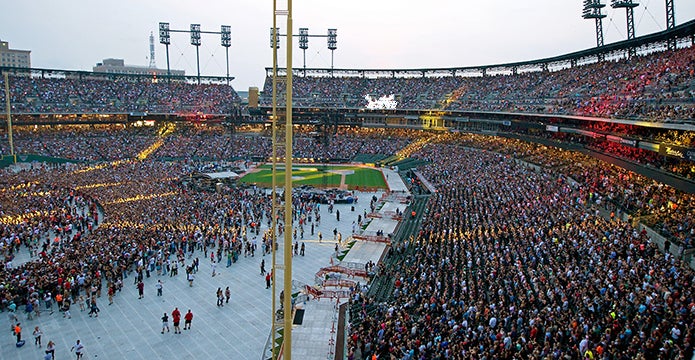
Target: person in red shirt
[
  {"x": 188, "y": 317},
  {"x": 176, "y": 317},
  {"x": 141, "y": 289}
]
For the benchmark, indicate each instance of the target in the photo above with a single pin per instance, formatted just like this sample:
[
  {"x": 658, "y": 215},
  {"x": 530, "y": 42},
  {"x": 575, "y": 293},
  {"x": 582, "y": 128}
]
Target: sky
[{"x": 372, "y": 34}]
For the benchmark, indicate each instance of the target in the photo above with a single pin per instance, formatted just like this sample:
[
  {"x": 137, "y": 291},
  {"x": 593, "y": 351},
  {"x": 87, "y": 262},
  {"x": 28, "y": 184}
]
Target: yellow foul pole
[
  {"x": 274, "y": 208},
  {"x": 287, "y": 300}
]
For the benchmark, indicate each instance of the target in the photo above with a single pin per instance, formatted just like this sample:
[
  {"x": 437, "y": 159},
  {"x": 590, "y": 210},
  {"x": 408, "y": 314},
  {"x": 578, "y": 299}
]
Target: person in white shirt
[
  {"x": 78, "y": 348},
  {"x": 37, "y": 336}
]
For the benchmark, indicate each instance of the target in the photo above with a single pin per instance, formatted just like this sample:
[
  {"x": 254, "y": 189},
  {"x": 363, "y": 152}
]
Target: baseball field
[{"x": 321, "y": 176}]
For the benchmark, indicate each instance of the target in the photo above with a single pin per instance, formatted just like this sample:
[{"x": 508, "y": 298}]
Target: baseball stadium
[{"x": 541, "y": 209}]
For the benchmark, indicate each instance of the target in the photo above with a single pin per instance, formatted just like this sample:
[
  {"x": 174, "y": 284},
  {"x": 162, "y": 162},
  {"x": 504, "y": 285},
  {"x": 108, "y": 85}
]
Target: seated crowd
[
  {"x": 509, "y": 262},
  {"x": 118, "y": 95},
  {"x": 656, "y": 87}
]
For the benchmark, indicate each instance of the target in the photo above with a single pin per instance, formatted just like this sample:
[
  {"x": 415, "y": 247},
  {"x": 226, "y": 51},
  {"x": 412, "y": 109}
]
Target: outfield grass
[
  {"x": 366, "y": 177},
  {"x": 319, "y": 176}
]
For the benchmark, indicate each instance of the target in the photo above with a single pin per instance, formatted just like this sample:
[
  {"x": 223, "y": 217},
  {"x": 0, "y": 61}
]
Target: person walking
[
  {"x": 111, "y": 291},
  {"x": 165, "y": 322},
  {"x": 48, "y": 299},
  {"x": 263, "y": 267},
  {"x": 227, "y": 294},
  {"x": 214, "y": 267},
  {"x": 188, "y": 318},
  {"x": 190, "y": 279},
  {"x": 174, "y": 268},
  {"x": 59, "y": 301},
  {"x": 141, "y": 289},
  {"x": 66, "y": 308},
  {"x": 37, "y": 336},
  {"x": 301, "y": 250},
  {"x": 159, "y": 287},
  {"x": 93, "y": 308},
  {"x": 29, "y": 309},
  {"x": 220, "y": 297},
  {"x": 176, "y": 316},
  {"x": 267, "y": 280},
  {"x": 78, "y": 348},
  {"x": 51, "y": 349},
  {"x": 18, "y": 332}
]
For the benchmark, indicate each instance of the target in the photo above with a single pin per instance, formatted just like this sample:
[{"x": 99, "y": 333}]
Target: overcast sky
[{"x": 76, "y": 34}]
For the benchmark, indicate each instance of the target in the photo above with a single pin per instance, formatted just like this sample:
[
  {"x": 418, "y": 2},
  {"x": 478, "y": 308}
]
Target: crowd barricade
[
  {"x": 372, "y": 238},
  {"x": 393, "y": 215},
  {"x": 374, "y": 215},
  {"x": 351, "y": 272},
  {"x": 318, "y": 293},
  {"x": 342, "y": 283}
]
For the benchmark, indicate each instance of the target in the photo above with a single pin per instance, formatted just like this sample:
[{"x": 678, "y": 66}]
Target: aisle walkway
[{"x": 316, "y": 338}]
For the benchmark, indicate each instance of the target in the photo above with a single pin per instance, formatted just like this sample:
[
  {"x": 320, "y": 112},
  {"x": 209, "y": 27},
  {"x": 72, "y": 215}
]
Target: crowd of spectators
[
  {"x": 410, "y": 93},
  {"x": 511, "y": 263},
  {"x": 146, "y": 218},
  {"x": 196, "y": 143},
  {"x": 670, "y": 210},
  {"x": 88, "y": 143},
  {"x": 190, "y": 141},
  {"x": 64, "y": 95},
  {"x": 656, "y": 87}
]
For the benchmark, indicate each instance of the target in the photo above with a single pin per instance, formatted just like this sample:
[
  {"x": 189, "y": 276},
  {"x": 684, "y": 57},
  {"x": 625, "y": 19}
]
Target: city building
[
  {"x": 13, "y": 57},
  {"x": 118, "y": 66}
]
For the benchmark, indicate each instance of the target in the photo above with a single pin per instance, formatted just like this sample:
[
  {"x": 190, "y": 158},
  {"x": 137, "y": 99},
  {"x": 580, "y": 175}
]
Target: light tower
[
  {"x": 629, "y": 6},
  {"x": 304, "y": 42},
  {"x": 332, "y": 43},
  {"x": 592, "y": 10},
  {"x": 670, "y": 22},
  {"x": 195, "y": 41},
  {"x": 226, "y": 41},
  {"x": 152, "y": 62},
  {"x": 165, "y": 38},
  {"x": 670, "y": 15}
]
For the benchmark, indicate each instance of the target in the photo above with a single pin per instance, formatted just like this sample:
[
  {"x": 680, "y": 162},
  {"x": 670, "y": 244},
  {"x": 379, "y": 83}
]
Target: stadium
[{"x": 540, "y": 209}]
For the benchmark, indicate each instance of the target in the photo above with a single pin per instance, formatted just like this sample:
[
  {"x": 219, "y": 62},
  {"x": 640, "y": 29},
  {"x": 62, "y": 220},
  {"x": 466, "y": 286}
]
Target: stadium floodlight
[
  {"x": 332, "y": 40},
  {"x": 164, "y": 37},
  {"x": 629, "y": 6},
  {"x": 304, "y": 42},
  {"x": 592, "y": 10},
  {"x": 303, "y": 38},
  {"x": 226, "y": 41},
  {"x": 275, "y": 31},
  {"x": 195, "y": 34},
  {"x": 226, "y": 33},
  {"x": 195, "y": 41}
]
